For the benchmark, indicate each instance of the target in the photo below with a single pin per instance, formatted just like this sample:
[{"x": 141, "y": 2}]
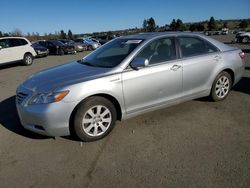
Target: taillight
[{"x": 242, "y": 55}]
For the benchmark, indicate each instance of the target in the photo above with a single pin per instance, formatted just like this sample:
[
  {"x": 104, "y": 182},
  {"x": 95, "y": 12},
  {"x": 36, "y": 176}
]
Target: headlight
[{"x": 44, "y": 98}]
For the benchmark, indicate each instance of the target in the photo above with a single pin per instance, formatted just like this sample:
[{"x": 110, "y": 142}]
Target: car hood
[{"x": 62, "y": 76}]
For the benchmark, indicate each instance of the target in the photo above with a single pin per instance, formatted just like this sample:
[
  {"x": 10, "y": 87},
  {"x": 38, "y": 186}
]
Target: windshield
[
  {"x": 88, "y": 40},
  {"x": 112, "y": 53},
  {"x": 57, "y": 43}
]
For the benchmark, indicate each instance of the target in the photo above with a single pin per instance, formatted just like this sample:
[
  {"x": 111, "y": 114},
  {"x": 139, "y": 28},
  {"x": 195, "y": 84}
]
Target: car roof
[
  {"x": 13, "y": 38},
  {"x": 152, "y": 35}
]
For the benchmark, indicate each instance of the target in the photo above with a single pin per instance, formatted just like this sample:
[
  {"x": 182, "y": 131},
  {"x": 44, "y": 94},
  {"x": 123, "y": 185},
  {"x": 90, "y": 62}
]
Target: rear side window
[
  {"x": 22, "y": 41},
  {"x": 42, "y": 43},
  {"x": 17, "y": 42},
  {"x": 192, "y": 46}
]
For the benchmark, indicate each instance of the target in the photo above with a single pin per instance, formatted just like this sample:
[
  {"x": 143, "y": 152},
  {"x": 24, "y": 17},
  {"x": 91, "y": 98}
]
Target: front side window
[
  {"x": 192, "y": 46},
  {"x": 158, "y": 51},
  {"x": 112, "y": 53}
]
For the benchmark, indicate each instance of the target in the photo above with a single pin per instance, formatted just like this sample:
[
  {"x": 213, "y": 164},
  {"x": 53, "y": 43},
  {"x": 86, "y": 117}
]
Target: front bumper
[
  {"x": 69, "y": 50},
  {"x": 42, "y": 53},
  {"x": 47, "y": 119}
]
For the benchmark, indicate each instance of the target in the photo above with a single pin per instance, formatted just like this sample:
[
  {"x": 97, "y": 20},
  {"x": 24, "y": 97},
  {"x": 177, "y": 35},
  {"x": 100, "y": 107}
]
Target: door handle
[{"x": 175, "y": 67}]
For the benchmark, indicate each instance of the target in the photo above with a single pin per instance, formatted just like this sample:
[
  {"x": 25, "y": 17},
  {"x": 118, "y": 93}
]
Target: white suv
[{"x": 14, "y": 49}]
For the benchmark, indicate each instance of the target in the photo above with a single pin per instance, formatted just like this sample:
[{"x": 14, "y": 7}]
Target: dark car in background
[
  {"x": 57, "y": 48},
  {"x": 40, "y": 50},
  {"x": 79, "y": 47}
]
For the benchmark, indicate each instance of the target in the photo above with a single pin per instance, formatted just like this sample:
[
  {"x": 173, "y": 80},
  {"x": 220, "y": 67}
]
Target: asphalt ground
[{"x": 194, "y": 144}]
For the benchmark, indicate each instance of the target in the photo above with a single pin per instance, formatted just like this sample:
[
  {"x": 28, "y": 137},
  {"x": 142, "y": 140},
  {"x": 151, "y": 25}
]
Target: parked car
[
  {"x": 105, "y": 39},
  {"x": 16, "y": 49},
  {"x": 126, "y": 77},
  {"x": 56, "y": 47},
  {"x": 224, "y": 31},
  {"x": 79, "y": 47},
  {"x": 90, "y": 44},
  {"x": 40, "y": 50},
  {"x": 242, "y": 37},
  {"x": 95, "y": 40}
]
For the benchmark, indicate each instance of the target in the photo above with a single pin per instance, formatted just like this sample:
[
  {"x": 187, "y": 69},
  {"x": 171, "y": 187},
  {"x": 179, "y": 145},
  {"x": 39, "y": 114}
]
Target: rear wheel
[
  {"x": 61, "y": 52},
  {"x": 90, "y": 48},
  {"x": 221, "y": 86},
  {"x": 27, "y": 59},
  {"x": 94, "y": 119},
  {"x": 245, "y": 40}
]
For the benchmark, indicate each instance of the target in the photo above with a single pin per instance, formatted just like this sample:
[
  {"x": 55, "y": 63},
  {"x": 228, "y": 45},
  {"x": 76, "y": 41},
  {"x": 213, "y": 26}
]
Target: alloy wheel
[
  {"x": 96, "y": 120},
  {"x": 222, "y": 87}
]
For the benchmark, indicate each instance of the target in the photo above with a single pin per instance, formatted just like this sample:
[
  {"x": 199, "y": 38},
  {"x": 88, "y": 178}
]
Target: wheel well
[
  {"x": 27, "y": 54},
  {"x": 230, "y": 71},
  {"x": 109, "y": 97}
]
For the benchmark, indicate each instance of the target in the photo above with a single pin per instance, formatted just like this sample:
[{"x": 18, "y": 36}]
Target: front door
[{"x": 156, "y": 84}]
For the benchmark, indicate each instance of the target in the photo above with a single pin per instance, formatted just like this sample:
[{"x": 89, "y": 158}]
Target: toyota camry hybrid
[{"x": 126, "y": 77}]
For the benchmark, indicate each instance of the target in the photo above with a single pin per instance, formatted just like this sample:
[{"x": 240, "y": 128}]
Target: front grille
[{"x": 20, "y": 97}]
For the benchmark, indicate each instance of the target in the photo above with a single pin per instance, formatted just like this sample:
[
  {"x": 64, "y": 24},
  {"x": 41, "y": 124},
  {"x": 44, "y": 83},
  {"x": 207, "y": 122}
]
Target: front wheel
[
  {"x": 90, "y": 48},
  {"x": 94, "y": 119},
  {"x": 61, "y": 52},
  {"x": 221, "y": 86},
  {"x": 245, "y": 40},
  {"x": 27, "y": 59}
]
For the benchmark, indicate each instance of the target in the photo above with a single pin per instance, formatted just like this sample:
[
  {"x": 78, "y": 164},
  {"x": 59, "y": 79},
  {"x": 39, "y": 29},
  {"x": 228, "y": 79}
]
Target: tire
[
  {"x": 245, "y": 40},
  {"x": 27, "y": 59},
  {"x": 94, "y": 119},
  {"x": 61, "y": 52},
  {"x": 90, "y": 48},
  {"x": 221, "y": 86}
]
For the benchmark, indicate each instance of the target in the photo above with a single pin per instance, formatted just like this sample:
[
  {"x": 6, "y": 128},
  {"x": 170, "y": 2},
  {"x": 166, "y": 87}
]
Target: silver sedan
[{"x": 126, "y": 77}]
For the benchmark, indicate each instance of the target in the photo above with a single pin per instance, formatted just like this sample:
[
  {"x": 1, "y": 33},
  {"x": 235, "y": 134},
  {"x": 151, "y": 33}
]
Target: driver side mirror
[{"x": 139, "y": 63}]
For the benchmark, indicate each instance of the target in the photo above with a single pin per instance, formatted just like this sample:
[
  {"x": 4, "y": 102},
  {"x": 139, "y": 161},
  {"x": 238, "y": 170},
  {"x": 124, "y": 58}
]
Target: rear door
[
  {"x": 6, "y": 51},
  {"x": 17, "y": 48},
  {"x": 199, "y": 59}
]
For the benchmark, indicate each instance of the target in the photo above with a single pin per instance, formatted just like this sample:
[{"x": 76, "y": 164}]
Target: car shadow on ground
[
  {"x": 10, "y": 65},
  {"x": 246, "y": 50},
  {"x": 243, "y": 85},
  {"x": 9, "y": 119}
]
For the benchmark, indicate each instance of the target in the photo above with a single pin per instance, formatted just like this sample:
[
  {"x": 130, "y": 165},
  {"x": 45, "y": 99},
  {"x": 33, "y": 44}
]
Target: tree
[
  {"x": 70, "y": 34},
  {"x": 200, "y": 27},
  {"x": 225, "y": 25},
  {"x": 179, "y": 26},
  {"x": 243, "y": 24},
  {"x": 1, "y": 34},
  {"x": 212, "y": 25},
  {"x": 144, "y": 25},
  {"x": 151, "y": 24},
  {"x": 193, "y": 27},
  {"x": 172, "y": 26},
  {"x": 16, "y": 33},
  {"x": 63, "y": 35}
]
